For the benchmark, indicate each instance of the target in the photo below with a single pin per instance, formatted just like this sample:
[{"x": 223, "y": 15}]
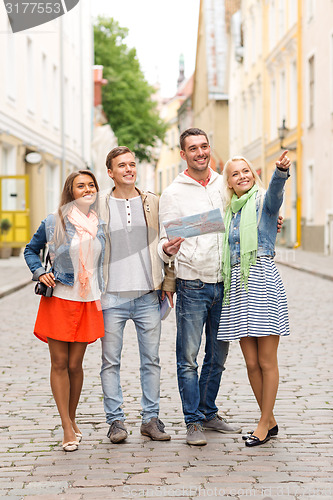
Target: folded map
[{"x": 195, "y": 225}]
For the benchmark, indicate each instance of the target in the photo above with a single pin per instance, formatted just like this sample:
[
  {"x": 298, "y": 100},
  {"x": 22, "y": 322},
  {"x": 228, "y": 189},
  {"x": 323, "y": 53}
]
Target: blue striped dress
[{"x": 259, "y": 312}]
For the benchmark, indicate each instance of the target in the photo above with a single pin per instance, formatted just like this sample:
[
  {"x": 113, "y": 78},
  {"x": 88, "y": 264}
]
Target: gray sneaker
[
  {"x": 195, "y": 434},
  {"x": 155, "y": 430},
  {"x": 219, "y": 424},
  {"x": 117, "y": 431}
]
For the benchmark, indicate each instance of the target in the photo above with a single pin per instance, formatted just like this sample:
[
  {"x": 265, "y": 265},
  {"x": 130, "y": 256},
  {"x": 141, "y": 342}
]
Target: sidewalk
[
  {"x": 314, "y": 263},
  {"x": 14, "y": 273}
]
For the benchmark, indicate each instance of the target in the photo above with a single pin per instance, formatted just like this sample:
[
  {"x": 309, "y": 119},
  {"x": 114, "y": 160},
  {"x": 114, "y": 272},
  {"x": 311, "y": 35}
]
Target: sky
[{"x": 160, "y": 31}]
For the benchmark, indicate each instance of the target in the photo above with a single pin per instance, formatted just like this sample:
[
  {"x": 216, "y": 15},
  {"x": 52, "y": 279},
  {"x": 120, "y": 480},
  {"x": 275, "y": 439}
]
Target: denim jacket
[
  {"x": 266, "y": 218},
  {"x": 62, "y": 266}
]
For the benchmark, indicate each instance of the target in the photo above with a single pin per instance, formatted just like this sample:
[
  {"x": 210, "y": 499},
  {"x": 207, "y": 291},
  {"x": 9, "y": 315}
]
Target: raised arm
[{"x": 274, "y": 194}]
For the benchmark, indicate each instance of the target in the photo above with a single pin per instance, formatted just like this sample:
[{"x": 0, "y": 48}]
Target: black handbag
[{"x": 41, "y": 288}]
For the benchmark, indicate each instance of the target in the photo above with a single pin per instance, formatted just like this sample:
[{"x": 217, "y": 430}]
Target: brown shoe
[
  {"x": 155, "y": 430},
  {"x": 117, "y": 432}
]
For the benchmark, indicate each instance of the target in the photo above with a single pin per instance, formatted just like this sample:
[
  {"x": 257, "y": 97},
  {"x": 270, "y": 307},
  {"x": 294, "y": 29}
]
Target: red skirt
[{"x": 69, "y": 321}]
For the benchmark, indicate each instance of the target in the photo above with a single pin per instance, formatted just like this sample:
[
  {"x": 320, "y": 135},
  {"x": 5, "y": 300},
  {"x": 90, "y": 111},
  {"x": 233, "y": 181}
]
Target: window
[
  {"x": 282, "y": 17},
  {"x": 310, "y": 195},
  {"x": 30, "y": 77},
  {"x": 67, "y": 108},
  {"x": 245, "y": 123},
  {"x": 271, "y": 23},
  {"x": 11, "y": 66},
  {"x": 310, "y": 9},
  {"x": 331, "y": 90},
  {"x": 292, "y": 12},
  {"x": 253, "y": 39},
  {"x": 293, "y": 95},
  {"x": 160, "y": 182},
  {"x": 283, "y": 97},
  {"x": 45, "y": 88},
  {"x": 253, "y": 116},
  {"x": 55, "y": 98},
  {"x": 8, "y": 160},
  {"x": 311, "y": 90},
  {"x": 52, "y": 187},
  {"x": 273, "y": 127}
]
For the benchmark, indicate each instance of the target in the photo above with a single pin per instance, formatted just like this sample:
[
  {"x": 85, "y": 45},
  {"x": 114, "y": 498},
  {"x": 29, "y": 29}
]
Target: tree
[{"x": 127, "y": 97}]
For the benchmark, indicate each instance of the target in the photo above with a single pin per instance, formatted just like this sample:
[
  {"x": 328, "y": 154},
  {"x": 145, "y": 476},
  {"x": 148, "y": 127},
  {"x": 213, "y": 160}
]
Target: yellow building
[{"x": 264, "y": 101}]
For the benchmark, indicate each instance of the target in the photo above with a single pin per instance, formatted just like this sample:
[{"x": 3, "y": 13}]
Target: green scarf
[{"x": 248, "y": 238}]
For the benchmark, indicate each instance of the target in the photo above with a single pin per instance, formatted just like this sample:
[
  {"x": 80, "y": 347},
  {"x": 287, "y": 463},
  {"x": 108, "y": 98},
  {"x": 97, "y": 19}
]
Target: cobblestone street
[{"x": 297, "y": 464}]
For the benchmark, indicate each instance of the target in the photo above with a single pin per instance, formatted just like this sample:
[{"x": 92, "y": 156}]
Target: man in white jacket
[{"x": 199, "y": 288}]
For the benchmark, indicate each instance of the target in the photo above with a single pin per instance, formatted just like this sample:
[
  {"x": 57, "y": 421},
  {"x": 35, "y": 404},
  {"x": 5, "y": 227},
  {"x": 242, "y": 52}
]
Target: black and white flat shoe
[{"x": 255, "y": 441}]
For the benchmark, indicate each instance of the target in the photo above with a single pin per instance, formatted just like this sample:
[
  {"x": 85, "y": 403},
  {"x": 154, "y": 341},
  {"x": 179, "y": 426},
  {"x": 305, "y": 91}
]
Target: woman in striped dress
[{"x": 254, "y": 310}]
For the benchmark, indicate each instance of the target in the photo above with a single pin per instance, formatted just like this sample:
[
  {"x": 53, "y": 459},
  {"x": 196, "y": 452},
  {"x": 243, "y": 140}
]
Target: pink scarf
[{"x": 86, "y": 228}]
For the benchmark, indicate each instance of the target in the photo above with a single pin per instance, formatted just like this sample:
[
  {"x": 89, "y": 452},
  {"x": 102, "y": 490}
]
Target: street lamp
[{"x": 282, "y": 134}]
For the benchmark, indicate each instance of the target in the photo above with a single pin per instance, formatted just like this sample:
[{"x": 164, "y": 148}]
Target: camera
[{"x": 42, "y": 289}]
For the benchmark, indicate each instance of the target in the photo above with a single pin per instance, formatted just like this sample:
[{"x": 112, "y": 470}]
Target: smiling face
[
  {"x": 123, "y": 171},
  {"x": 240, "y": 177},
  {"x": 84, "y": 191},
  {"x": 196, "y": 153}
]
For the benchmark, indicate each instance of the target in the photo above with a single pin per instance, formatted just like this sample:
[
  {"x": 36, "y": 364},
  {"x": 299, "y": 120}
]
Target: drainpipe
[
  {"x": 62, "y": 104},
  {"x": 299, "y": 128}
]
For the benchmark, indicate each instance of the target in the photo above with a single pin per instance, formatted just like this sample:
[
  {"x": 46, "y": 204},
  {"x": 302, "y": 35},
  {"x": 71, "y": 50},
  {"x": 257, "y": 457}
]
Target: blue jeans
[
  {"x": 199, "y": 304},
  {"x": 145, "y": 312}
]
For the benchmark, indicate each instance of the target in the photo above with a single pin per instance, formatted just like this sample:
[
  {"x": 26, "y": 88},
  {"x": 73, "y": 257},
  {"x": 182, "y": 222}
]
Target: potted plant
[{"x": 5, "y": 250}]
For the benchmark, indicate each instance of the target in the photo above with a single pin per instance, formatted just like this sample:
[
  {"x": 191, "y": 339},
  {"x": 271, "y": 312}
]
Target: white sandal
[
  {"x": 70, "y": 446},
  {"x": 79, "y": 436}
]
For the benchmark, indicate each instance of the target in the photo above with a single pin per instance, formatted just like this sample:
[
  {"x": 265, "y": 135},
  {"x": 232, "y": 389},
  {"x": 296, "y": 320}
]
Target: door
[{"x": 14, "y": 210}]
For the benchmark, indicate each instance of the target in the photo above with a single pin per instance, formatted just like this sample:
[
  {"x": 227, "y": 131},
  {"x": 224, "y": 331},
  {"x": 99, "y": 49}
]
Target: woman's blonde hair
[
  {"x": 66, "y": 203},
  {"x": 227, "y": 191}
]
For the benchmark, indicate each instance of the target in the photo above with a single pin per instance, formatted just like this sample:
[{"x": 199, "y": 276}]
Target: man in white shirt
[
  {"x": 199, "y": 289},
  {"x": 133, "y": 272}
]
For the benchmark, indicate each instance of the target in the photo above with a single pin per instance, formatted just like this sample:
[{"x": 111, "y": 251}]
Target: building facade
[
  {"x": 46, "y": 102},
  {"x": 317, "y": 119}
]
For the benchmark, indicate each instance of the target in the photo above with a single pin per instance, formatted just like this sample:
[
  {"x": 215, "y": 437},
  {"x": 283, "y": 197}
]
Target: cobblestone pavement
[{"x": 296, "y": 465}]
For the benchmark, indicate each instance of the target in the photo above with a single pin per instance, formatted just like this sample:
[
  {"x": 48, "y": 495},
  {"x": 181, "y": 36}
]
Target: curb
[
  {"x": 305, "y": 270},
  {"x": 14, "y": 288}
]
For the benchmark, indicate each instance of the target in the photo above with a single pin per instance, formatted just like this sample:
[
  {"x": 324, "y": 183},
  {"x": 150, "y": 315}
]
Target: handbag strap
[{"x": 48, "y": 260}]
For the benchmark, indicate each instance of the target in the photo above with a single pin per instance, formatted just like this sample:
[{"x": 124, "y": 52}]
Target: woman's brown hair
[{"x": 66, "y": 203}]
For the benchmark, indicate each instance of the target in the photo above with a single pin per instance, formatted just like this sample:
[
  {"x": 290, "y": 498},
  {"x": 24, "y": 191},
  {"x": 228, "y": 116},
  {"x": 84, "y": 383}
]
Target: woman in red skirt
[{"x": 72, "y": 317}]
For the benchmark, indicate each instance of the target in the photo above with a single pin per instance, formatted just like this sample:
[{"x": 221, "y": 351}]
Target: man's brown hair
[
  {"x": 119, "y": 150},
  {"x": 188, "y": 132}
]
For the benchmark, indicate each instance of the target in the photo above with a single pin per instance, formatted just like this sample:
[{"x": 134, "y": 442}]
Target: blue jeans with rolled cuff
[
  {"x": 198, "y": 309},
  {"x": 145, "y": 313}
]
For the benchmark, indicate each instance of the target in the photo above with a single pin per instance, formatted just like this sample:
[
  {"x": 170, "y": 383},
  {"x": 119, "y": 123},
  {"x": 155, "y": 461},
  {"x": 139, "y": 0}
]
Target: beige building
[
  {"x": 281, "y": 50},
  {"x": 317, "y": 119},
  {"x": 263, "y": 95},
  {"x": 211, "y": 77},
  {"x": 45, "y": 108}
]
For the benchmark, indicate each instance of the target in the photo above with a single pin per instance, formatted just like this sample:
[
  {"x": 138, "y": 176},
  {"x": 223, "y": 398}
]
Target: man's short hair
[
  {"x": 188, "y": 132},
  {"x": 119, "y": 150}
]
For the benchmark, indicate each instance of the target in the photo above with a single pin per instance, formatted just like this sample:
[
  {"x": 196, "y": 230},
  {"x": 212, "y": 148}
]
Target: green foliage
[
  {"x": 127, "y": 98},
  {"x": 5, "y": 226}
]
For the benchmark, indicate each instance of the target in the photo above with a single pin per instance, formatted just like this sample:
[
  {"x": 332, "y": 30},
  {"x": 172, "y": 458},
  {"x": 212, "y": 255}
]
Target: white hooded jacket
[{"x": 199, "y": 257}]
